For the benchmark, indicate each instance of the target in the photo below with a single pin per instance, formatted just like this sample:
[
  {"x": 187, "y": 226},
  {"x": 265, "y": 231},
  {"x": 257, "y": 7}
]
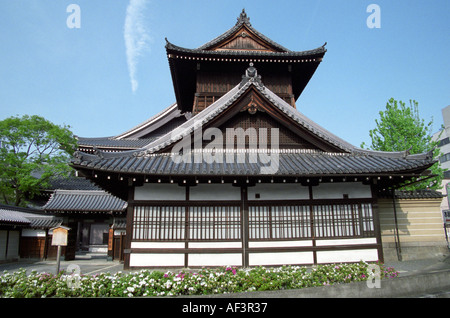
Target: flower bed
[{"x": 205, "y": 281}]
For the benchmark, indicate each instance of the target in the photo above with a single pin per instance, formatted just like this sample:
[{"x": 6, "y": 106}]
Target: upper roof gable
[{"x": 243, "y": 37}]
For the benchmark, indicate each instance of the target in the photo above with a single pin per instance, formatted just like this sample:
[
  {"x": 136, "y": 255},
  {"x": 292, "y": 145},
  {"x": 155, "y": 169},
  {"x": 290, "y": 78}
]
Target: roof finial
[
  {"x": 251, "y": 75},
  {"x": 243, "y": 18}
]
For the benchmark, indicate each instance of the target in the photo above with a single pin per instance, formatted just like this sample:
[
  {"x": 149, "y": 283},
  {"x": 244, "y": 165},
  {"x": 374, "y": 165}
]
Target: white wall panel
[
  {"x": 33, "y": 233},
  {"x": 338, "y": 189},
  {"x": 280, "y": 243},
  {"x": 368, "y": 255},
  {"x": 272, "y": 191},
  {"x": 215, "y": 245},
  {"x": 156, "y": 259},
  {"x": 3, "y": 235},
  {"x": 214, "y": 192},
  {"x": 13, "y": 245},
  {"x": 157, "y": 191},
  {"x": 266, "y": 259},
  {"x": 369, "y": 240},
  {"x": 157, "y": 244},
  {"x": 228, "y": 259}
]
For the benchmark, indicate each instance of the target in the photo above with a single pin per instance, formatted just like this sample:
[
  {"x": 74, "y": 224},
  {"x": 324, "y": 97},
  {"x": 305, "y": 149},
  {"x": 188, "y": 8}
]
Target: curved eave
[{"x": 294, "y": 55}]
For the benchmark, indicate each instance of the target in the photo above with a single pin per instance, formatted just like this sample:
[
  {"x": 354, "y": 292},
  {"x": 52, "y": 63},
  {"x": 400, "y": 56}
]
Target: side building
[{"x": 443, "y": 137}]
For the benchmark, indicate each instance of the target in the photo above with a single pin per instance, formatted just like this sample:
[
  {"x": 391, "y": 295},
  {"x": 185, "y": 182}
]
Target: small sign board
[{"x": 60, "y": 234}]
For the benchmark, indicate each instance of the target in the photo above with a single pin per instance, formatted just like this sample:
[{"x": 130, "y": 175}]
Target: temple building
[{"x": 233, "y": 173}]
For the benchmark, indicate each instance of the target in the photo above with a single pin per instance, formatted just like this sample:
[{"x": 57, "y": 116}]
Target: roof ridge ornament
[
  {"x": 243, "y": 18},
  {"x": 251, "y": 75}
]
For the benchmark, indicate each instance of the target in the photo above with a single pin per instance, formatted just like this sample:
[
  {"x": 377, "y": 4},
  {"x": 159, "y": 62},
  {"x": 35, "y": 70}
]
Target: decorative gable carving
[{"x": 244, "y": 39}]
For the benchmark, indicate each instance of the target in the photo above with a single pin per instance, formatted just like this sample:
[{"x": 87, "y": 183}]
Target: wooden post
[{"x": 58, "y": 258}]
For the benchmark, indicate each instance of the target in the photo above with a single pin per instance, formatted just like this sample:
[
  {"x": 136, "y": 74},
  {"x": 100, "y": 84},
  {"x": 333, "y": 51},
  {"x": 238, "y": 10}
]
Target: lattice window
[
  {"x": 168, "y": 223},
  {"x": 214, "y": 223},
  {"x": 294, "y": 222},
  {"x": 279, "y": 222},
  {"x": 165, "y": 223},
  {"x": 265, "y": 222}
]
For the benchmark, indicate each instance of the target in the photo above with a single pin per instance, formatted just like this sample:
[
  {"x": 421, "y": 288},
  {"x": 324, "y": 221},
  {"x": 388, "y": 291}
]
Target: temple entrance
[{"x": 93, "y": 236}]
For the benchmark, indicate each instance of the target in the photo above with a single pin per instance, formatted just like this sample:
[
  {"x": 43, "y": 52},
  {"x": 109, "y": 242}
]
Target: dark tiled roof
[
  {"x": 319, "y": 52},
  {"x": 119, "y": 223},
  {"x": 418, "y": 194},
  {"x": 8, "y": 215},
  {"x": 72, "y": 183},
  {"x": 141, "y": 135},
  {"x": 30, "y": 218},
  {"x": 300, "y": 163},
  {"x": 84, "y": 201},
  {"x": 111, "y": 142},
  {"x": 165, "y": 116}
]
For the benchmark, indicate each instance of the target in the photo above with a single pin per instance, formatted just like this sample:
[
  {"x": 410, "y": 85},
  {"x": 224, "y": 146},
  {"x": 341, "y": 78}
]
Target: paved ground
[{"x": 89, "y": 264}]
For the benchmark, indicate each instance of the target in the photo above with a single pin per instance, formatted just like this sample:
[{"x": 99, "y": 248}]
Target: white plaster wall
[
  {"x": 228, "y": 259},
  {"x": 372, "y": 240},
  {"x": 157, "y": 191},
  {"x": 156, "y": 259},
  {"x": 13, "y": 245},
  {"x": 341, "y": 256},
  {"x": 272, "y": 191},
  {"x": 157, "y": 244},
  {"x": 33, "y": 233},
  {"x": 280, "y": 243},
  {"x": 212, "y": 192},
  {"x": 266, "y": 259},
  {"x": 2, "y": 244},
  {"x": 338, "y": 189},
  {"x": 215, "y": 245}
]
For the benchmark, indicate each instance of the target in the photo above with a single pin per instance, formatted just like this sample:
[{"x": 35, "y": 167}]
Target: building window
[
  {"x": 159, "y": 223},
  {"x": 444, "y": 158},
  {"x": 214, "y": 223},
  {"x": 265, "y": 222},
  {"x": 443, "y": 142},
  {"x": 279, "y": 222}
]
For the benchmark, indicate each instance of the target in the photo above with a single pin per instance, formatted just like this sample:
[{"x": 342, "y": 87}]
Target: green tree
[
  {"x": 400, "y": 128},
  {"x": 32, "y": 151}
]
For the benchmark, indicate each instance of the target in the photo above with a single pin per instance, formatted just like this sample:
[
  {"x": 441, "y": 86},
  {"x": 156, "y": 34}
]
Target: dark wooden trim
[
  {"x": 129, "y": 228},
  {"x": 186, "y": 228},
  {"x": 376, "y": 222},
  {"x": 245, "y": 225}
]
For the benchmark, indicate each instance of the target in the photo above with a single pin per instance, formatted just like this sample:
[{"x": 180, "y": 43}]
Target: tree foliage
[
  {"x": 400, "y": 128},
  {"x": 32, "y": 151}
]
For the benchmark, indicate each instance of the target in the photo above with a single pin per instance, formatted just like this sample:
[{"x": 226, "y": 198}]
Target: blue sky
[{"x": 112, "y": 73}]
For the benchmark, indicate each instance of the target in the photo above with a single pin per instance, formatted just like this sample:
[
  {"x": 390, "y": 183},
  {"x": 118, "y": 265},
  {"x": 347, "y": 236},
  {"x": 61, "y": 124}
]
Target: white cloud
[{"x": 136, "y": 37}]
